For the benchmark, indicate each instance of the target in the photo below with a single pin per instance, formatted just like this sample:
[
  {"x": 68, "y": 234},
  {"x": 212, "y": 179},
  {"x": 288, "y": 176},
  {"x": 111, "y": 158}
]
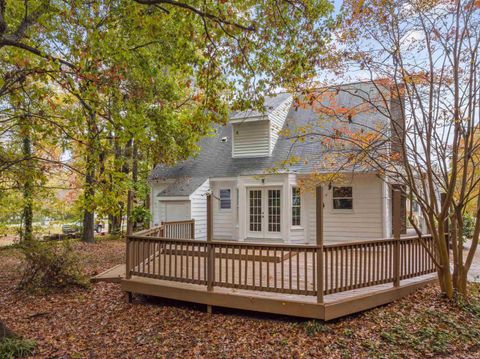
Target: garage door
[{"x": 177, "y": 211}]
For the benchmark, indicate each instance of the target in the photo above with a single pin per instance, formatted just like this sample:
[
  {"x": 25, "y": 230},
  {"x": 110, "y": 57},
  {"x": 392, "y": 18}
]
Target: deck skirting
[{"x": 335, "y": 306}]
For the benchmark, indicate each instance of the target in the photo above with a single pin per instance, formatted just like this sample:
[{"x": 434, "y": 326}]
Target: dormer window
[
  {"x": 251, "y": 139},
  {"x": 255, "y": 133}
]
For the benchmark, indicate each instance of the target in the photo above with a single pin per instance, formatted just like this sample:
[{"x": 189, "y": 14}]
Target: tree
[
  {"x": 141, "y": 81},
  {"x": 421, "y": 58}
]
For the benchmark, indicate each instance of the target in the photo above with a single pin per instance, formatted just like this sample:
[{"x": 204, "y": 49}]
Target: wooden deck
[
  {"x": 334, "y": 306},
  {"x": 112, "y": 275},
  {"x": 315, "y": 281},
  {"x": 278, "y": 278}
]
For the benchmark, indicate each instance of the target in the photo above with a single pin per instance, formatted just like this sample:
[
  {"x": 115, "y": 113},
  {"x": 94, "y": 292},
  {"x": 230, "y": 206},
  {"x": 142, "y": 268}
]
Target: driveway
[
  {"x": 474, "y": 273},
  {"x": 8, "y": 240}
]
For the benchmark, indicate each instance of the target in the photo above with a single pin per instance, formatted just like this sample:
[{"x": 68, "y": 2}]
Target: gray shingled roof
[
  {"x": 183, "y": 186},
  {"x": 270, "y": 104},
  {"x": 215, "y": 158}
]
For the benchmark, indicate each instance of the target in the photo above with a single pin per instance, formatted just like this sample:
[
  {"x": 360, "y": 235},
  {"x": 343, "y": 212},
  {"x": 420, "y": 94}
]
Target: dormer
[{"x": 255, "y": 133}]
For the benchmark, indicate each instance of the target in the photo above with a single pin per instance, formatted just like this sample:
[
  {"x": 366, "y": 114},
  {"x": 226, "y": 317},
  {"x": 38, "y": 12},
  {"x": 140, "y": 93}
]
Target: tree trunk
[
  {"x": 132, "y": 154},
  {"x": 88, "y": 234},
  {"x": 115, "y": 220},
  {"x": 27, "y": 233},
  {"x": 134, "y": 179},
  {"x": 88, "y": 214},
  {"x": 444, "y": 273}
]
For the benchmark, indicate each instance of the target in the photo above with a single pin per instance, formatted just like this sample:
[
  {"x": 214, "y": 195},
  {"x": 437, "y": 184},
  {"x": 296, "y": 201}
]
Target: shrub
[
  {"x": 468, "y": 226},
  {"x": 16, "y": 348},
  {"x": 50, "y": 265}
]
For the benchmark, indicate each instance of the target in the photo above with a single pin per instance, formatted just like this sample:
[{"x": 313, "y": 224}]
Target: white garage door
[{"x": 177, "y": 211}]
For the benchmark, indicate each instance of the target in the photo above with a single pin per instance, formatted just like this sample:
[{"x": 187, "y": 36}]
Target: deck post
[
  {"x": 397, "y": 228},
  {"x": 319, "y": 240},
  {"x": 128, "y": 275},
  {"x": 129, "y": 297},
  {"x": 210, "y": 249},
  {"x": 192, "y": 229}
]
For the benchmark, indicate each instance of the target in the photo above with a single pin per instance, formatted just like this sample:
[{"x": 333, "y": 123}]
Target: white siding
[
  {"x": 157, "y": 212},
  {"x": 224, "y": 219},
  {"x": 199, "y": 210},
  {"x": 277, "y": 119},
  {"x": 297, "y": 236},
  {"x": 364, "y": 222},
  {"x": 251, "y": 139}
]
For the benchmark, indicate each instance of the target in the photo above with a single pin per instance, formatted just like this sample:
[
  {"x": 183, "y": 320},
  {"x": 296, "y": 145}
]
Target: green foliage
[
  {"x": 430, "y": 331},
  {"x": 468, "y": 226},
  {"x": 16, "y": 348},
  {"x": 50, "y": 266},
  {"x": 313, "y": 327},
  {"x": 141, "y": 215}
]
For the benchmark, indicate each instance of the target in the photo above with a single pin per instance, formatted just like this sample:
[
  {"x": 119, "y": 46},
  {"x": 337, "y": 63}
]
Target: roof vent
[{"x": 224, "y": 139}]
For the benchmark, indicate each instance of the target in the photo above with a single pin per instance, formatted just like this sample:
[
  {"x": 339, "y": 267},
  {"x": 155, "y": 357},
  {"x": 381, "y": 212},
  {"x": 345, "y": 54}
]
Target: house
[
  {"x": 272, "y": 244},
  {"x": 253, "y": 203}
]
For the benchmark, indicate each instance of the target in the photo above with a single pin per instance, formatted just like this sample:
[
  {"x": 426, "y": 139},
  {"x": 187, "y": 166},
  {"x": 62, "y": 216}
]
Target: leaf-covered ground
[{"x": 98, "y": 323}]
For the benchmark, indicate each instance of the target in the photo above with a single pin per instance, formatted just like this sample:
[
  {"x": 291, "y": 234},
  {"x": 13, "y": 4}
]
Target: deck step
[{"x": 112, "y": 275}]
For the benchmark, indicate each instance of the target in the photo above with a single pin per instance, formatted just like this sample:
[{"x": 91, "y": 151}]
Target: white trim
[
  {"x": 250, "y": 119},
  {"x": 220, "y": 200},
  {"x": 264, "y": 233},
  {"x": 260, "y": 184},
  {"x": 220, "y": 179},
  {"x": 290, "y": 205},
  {"x": 270, "y": 149},
  {"x": 232, "y": 147},
  {"x": 249, "y": 156},
  {"x": 342, "y": 210},
  {"x": 174, "y": 198}
]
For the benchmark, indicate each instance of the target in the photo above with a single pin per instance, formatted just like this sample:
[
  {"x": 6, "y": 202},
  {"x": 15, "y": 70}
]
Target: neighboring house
[{"x": 253, "y": 205}]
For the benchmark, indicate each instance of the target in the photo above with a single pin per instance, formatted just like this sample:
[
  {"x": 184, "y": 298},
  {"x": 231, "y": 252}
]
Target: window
[
  {"x": 225, "y": 199},
  {"x": 296, "y": 204},
  {"x": 342, "y": 198},
  {"x": 414, "y": 206}
]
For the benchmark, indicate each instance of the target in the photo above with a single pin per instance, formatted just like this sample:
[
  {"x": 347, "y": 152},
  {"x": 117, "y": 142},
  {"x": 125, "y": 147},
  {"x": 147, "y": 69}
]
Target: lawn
[{"x": 97, "y": 322}]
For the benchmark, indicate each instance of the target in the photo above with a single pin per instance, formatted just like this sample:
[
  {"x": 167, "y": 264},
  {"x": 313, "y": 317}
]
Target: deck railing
[
  {"x": 282, "y": 268},
  {"x": 137, "y": 255},
  {"x": 173, "y": 229}
]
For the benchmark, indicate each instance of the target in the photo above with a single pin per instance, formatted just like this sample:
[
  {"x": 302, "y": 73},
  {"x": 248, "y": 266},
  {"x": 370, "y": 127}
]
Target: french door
[{"x": 264, "y": 212}]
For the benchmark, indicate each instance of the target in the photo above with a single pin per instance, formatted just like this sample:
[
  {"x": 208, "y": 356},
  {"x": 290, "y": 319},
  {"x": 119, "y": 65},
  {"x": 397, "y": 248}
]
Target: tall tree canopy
[{"x": 138, "y": 82}]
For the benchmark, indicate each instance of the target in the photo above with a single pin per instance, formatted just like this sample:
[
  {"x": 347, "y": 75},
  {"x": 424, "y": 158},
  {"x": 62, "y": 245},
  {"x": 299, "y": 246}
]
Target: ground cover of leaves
[{"x": 97, "y": 322}]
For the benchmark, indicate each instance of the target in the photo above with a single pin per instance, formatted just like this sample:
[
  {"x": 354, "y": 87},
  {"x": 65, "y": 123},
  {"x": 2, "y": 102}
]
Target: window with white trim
[
  {"x": 342, "y": 197},
  {"x": 225, "y": 199},
  {"x": 296, "y": 207}
]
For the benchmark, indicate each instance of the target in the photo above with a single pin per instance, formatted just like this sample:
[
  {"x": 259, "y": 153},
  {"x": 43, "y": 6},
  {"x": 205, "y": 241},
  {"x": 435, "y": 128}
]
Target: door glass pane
[
  {"x": 274, "y": 210},
  {"x": 255, "y": 210}
]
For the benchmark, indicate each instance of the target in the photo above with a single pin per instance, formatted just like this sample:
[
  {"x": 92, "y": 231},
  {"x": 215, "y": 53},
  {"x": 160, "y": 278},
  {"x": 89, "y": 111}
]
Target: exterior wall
[
  {"x": 364, "y": 222},
  {"x": 155, "y": 205},
  {"x": 198, "y": 207},
  {"x": 277, "y": 119},
  {"x": 224, "y": 220},
  {"x": 369, "y": 219},
  {"x": 251, "y": 139}
]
